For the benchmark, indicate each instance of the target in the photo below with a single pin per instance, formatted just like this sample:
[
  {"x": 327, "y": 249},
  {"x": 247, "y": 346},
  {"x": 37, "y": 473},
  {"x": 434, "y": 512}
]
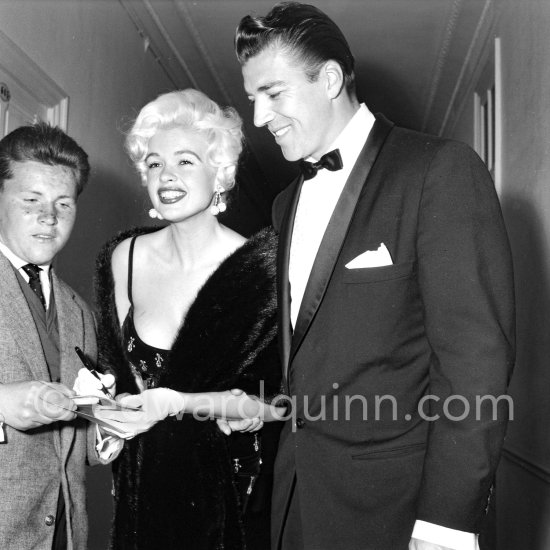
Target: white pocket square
[{"x": 371, "y": 258}]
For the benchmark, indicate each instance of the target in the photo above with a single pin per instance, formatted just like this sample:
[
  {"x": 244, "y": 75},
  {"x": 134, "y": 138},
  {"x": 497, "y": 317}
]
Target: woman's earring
[
  {"x": 154, "y": 214},
  {"x": 218, "y": 204}
]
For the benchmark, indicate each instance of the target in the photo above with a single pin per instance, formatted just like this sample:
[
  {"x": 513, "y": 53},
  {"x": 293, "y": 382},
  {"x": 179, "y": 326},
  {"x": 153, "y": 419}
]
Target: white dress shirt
[
  {"x": 318, "y": 198},
  {"x": 18, "y": 263}
]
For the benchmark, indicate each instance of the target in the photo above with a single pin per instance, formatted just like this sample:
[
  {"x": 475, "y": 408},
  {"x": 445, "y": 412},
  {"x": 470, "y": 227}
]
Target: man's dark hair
[
  {"x": 302, "y": 31},
  {"x": 43, "y": 143}
]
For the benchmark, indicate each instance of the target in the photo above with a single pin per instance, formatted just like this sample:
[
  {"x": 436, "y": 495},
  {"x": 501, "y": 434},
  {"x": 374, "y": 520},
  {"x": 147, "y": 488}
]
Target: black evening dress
[{"x": 184, "y": 484}]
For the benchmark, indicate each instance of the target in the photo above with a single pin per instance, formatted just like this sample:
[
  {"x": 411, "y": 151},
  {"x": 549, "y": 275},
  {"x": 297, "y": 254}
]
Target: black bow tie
[{"x": 331, "y": 161}]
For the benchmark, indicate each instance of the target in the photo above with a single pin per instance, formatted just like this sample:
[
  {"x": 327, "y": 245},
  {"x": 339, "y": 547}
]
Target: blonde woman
[{"x": 187, "y": 312}]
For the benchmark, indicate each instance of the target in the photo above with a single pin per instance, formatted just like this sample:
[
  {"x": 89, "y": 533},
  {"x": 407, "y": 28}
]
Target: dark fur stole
[{"x": 174, "y": 483}]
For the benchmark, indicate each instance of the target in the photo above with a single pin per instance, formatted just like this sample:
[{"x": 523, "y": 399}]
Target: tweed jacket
[{"x": 35, "y": 463}]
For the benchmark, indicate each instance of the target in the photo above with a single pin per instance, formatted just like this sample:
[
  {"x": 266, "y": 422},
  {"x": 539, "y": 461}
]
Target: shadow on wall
[
  {"x": 107, "y": 205},
  {"x": 389, "y": 97},
  {"x": 249, "y": 203},
  {"x": 523, "y": 480}
]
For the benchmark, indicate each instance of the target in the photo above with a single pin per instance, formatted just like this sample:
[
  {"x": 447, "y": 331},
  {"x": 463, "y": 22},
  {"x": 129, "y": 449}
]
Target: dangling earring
[
  {"x": 218, "y": 204},
  {"x": 154, "y": 214}
]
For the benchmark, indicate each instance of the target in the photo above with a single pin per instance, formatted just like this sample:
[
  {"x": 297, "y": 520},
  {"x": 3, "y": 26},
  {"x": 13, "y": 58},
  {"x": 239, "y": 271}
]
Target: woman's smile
[{"x": 170, "y": 195}]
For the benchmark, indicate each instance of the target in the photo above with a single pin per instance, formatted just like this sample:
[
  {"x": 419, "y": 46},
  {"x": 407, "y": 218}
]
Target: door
[{"x": 27, "y": 93}]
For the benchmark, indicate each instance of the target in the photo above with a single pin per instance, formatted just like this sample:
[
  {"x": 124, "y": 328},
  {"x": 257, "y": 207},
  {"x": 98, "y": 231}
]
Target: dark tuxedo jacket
[{"x": 379, "y": 353}]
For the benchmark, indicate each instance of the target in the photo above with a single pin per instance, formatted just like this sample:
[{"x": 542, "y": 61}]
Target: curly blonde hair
[{"x": 193, "y": 110}]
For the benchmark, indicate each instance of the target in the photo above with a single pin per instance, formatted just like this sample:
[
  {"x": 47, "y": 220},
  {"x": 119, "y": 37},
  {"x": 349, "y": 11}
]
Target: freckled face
[
  {"x": 180, "y": 181},
  {"x": 37, "y": 210}
]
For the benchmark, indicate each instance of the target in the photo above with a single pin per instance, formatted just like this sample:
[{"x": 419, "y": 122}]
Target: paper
[
  {"x": 112, "y": 426},
  {"x": 103, "y": 402},
  {"x": 88, "y": 405}
]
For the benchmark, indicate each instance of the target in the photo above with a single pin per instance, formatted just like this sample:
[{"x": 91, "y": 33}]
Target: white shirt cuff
[
  {"x": 449, "y": 538},
  {"x": 108, "y": 447}
]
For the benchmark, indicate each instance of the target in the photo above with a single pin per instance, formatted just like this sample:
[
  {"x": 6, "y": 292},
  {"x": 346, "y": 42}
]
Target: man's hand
[
  {"x": 417, "y": 544},
  {"x": 243, "y": 425},
  {"x": 30, "y": 404}
]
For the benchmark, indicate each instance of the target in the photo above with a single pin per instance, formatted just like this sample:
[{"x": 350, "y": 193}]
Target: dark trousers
[
  {"x": 293, "y": 538},
  {"x": 60, "y": 533}
]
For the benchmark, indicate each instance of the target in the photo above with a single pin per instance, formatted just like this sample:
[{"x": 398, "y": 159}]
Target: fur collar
[
  {"x": 230, "y": 324},
  {"x": 175, "y": 483}
]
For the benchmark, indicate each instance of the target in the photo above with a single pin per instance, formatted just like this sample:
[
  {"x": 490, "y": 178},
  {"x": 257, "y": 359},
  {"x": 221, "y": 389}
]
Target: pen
[{"x": 90, "y": 367}]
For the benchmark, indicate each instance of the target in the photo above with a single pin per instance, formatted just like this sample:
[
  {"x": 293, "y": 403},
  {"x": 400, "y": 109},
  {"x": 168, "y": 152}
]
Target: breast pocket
[
  {"x": 382, "y": 305},
  {"x": 378, "y": 274}
]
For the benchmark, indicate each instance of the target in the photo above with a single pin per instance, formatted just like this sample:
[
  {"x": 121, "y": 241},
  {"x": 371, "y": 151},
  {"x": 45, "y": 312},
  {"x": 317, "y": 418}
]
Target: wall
[
  {"x": 523, "y": 490},
  {"x": 91, "y": 50},
  {"x": 526, "y": 177}
]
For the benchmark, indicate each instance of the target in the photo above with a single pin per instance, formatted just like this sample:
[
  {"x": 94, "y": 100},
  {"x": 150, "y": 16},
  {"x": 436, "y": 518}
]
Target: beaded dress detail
[{"x": 144, "y": 360}]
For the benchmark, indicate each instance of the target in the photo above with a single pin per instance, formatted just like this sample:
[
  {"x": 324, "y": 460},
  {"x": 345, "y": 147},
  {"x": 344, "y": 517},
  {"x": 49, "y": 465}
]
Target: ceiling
[{"x": 409, "y": 54}]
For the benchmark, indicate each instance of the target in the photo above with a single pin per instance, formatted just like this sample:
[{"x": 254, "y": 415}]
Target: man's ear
[{"x": 334, "y": 78}]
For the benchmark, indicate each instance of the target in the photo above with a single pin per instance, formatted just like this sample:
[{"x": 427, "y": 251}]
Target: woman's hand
[
  {"x": 236, "y": 410},
  {"x": 87, "y": 384},
  {"x": 154, "y": 405}
]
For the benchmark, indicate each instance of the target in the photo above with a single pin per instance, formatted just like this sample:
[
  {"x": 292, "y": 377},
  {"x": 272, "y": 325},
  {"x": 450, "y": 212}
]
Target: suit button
[
  {"x": 300, "y": 423},
  {"x": 49, "y": 520}
]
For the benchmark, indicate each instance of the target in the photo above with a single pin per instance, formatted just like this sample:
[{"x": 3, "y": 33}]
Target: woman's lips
[{"x": 170, "y": 196}]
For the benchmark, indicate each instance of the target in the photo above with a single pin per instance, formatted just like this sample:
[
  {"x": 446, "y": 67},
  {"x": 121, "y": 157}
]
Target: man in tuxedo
[
  {"x": 43, "y": 448},
  {"x": 396, "y": 307}
]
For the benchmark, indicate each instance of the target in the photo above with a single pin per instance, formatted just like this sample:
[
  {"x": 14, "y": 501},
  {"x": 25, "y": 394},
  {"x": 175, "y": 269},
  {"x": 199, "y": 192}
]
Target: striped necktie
[{"x": 33, "y": 271}]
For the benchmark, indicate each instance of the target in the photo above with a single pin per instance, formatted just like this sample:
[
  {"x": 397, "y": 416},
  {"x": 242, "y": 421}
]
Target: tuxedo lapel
[
  {"x": 283, "y": 285},
  {"x": 20, "y": 321},
  {"x": 336, "y": 231}
]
